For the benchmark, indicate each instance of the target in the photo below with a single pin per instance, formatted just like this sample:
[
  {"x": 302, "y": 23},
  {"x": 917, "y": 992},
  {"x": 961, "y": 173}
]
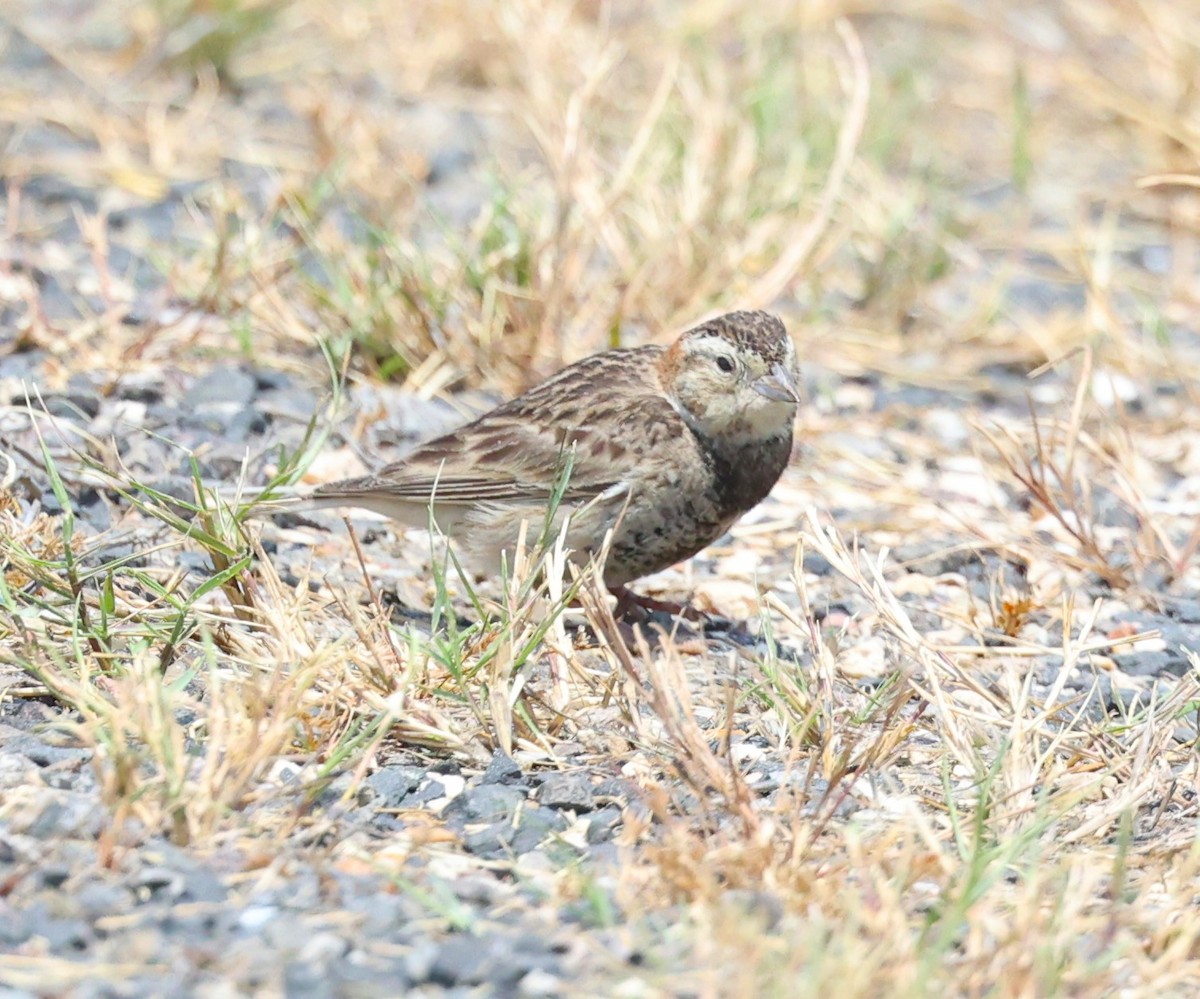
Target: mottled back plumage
[{"x": 668, "y": 446}]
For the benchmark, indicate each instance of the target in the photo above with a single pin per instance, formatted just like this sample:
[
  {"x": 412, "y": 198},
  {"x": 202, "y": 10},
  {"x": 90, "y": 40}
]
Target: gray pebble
[
  {"x": 477, "y": 889},
  {"x": 231, "y": 422},
  {"x": 603, "y": 824},
  {"x": 68, "y": 815},
  {"x": 382, "y": 915},
  {"x": 323, "y": 949},
  {"x": 1154, "y": 258},
  {"x": 432, "y": 790},
  {"x": 1185, "y": 610},
  {"x": 158, "y": 883},
  {"x": 309, "y": 981},
  {"x": 419, "y": 959},
  {"x": 73, "y": 405},
  {"x": 1041, "y": 297},
  {"x": 492, "y": 841},
  {"x": 536, "y": 825},
  {"x": 816, "y": 565},
  {"x": 15, "y": 927},
  {"x": 495, "y": 959},
  {"x": 140, "y": 386},
  {"x": 463, "y": 960},
  {"x": 541, "y": 983},
  {"x": 68, "y": 934},
  {"x": 54, "y": 875},
  {"x": 294, "y": 404},
  {"x": 567, "y": 791},
  {"x": 271, "y": 380},
  {"x": 255, "y": 917},
  {"x": 487, "y": 802},
  {"x": 917, "y": 397},
  {"x": 500, "y": 839},
  {"x": 1159, "y": 662},
  {"x": 1111, "y": 510},
  {"x": 223, "y": 385},
  {"x": 44, "y": 754},
  {"x": 97, "y": 899},
  {"x": 502, "y": 769},
  {"x": 390, "y": 785}
]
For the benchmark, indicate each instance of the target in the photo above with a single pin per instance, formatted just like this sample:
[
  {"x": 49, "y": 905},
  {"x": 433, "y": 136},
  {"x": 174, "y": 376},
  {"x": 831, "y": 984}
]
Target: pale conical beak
[{"x": 778, "y": 385}]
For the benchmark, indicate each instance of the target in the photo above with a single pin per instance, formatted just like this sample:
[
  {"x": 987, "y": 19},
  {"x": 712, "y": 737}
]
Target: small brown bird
[{"x": 666, "y": 446}]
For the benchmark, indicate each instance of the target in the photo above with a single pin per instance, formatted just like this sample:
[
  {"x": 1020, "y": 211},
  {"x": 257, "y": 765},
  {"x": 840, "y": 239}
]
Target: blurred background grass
[{"x": 467, "y": 192}]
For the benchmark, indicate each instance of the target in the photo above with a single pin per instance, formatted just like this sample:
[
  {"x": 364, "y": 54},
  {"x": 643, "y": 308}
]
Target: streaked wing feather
[
  {"x": 516, "y": 452},
  {"x": 457, "y": 490}
]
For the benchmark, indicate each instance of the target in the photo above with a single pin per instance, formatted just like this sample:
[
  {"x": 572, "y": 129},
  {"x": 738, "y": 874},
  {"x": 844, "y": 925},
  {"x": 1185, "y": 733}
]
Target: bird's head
[{"x": 734, "y": 378}]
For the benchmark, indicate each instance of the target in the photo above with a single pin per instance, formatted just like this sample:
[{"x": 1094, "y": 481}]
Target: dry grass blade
[
  {"x": 768, "y": 288},
  {"x": 667, "y": 692}
]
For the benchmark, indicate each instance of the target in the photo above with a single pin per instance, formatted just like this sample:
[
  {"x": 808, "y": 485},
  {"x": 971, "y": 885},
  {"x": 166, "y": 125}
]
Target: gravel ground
[{"x": 95, "y": 912}]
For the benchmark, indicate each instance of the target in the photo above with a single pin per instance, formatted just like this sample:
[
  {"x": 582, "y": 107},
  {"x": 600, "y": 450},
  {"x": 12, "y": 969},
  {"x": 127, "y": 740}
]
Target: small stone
[
  {"x": 536, "y": 825},
  {"x": 540, "y": 983},
  {"x": 1185, "y": 610},
  {"x": 498, "y": 960},
  {"x": 567, "y": 791},
  {"x": 501, "y": 839},
  {"x": 44, "y": 754},
  {"x": 54, "y": 875},
  {"x": 418, "y": 962},
  {"x": 96, "y": 900},
  {"x": 567, "y": 750},
  {"x": 487, "y": 802},
  {"x": 73, "y": 406},
  {"x": 390, "y": 785},
  {"x": 323, "y": 949},
  {"x": 502, "y": 769},
  {"x": 1040, "y": 296},
  {"x": 490, "y": 842},
  {"x": 1157, "y": 662},
  {"x": 53, "y": 814},
  {"x": 15, "y": 926},
  {"x": 461, "y": 961},
  {"x": 603, "y": 824},
  {"x": 64, "y": 934},
  {"x": 1111, "y": 387},
  {"x": 141, "y": 387},
  {"x": 431, "y": 790},
  {"x": 255, "y": 917},
  {"x": 271, "y": 380},
  {"x": 203, "y": 885},
  {"x": 293, "y": 404},
  {"x": 816, "y": 565},
  {"x": 221, "y": 385}
]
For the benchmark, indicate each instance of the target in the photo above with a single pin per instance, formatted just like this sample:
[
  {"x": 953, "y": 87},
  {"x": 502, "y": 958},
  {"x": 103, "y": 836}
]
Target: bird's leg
[{"x": 627, "y": 600}]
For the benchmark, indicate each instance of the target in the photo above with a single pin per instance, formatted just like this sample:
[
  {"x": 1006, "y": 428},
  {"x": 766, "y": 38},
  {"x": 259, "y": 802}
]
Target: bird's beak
[{"x": 778, "y": 384}]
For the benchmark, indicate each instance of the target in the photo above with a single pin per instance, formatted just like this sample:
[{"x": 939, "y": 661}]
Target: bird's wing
[{"x": 602, "y": 419}]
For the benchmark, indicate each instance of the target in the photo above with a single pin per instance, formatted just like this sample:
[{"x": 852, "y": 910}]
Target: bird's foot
[{"x": 632, "y": 605}]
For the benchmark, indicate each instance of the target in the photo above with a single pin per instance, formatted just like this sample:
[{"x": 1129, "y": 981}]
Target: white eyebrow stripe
[{"x": 715, "y": 344}]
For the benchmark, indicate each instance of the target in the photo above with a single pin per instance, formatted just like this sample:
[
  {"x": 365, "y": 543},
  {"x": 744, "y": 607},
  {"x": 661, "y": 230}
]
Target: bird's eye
[{"x": 725, "y": 363}]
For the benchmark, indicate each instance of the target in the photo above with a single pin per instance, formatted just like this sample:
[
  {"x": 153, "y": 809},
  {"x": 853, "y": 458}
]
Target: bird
[{"x": 664, "y": 446}]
